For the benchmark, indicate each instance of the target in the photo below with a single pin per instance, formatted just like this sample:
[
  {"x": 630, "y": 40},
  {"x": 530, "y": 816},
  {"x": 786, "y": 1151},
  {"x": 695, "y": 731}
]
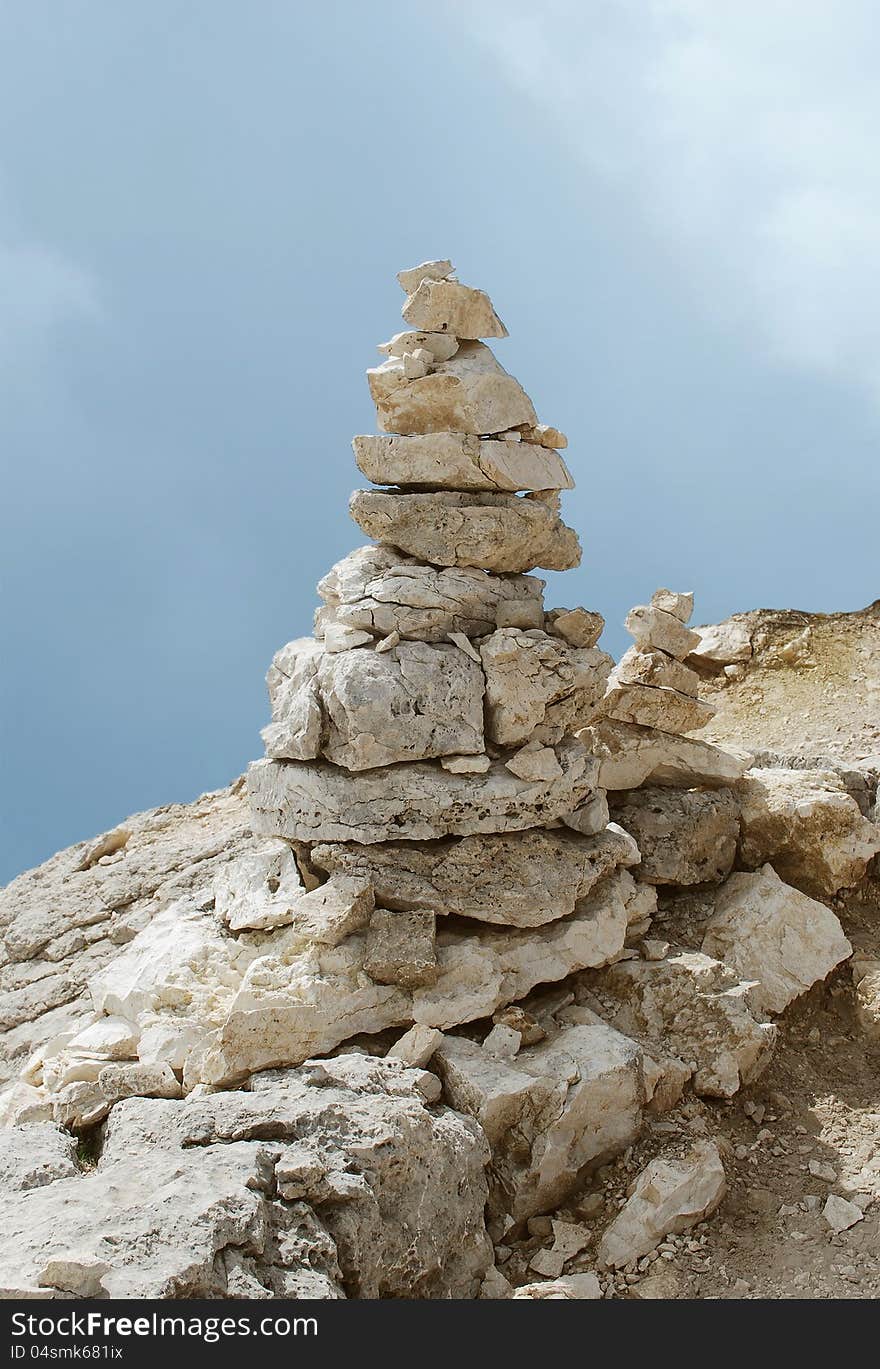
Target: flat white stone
[
  {"x": 411, "y": 279},
  {"x": 446, "y": 306},
  {"x": 657, "y": 669},
  {"x": 469, "y": 393},
  {"x": 654, "y": 629},
  {"x": 495, "y": 532},
  {"x": 774, "y": 934},
  {"x": 538, "y": 687},
  {"x": 652, "y": 706},
  {"x": 681, "y": 606},
  {"x": 670, "y": 1195},
  {"x": 315, "y": 801},
  {"x": 629, "y": 755},
  {"x": 460, "y": 461},
  {"x": 723, "y": 643}
]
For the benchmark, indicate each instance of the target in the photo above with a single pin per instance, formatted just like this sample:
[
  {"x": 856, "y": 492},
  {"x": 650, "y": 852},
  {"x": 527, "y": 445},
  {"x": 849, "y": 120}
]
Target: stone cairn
[{"x": 464, "y": 803}]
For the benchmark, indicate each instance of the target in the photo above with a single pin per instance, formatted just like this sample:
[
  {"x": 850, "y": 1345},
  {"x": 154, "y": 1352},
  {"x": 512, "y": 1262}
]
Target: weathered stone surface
[
  {"x": 380, "y": 590},
  {"x": 412, "y": 278},
  {"x": 62, "y": 922},
  {"x": 578, "y": 626},
  {"x": 31, "y": 1156},
  {"x": 808, "y": 827},
  {"x": 334, "y": 910},
  {"x": 658, "y": 669},
  {"x": 772, "y": 933},
  {"x": 662, "y": 708},
  {"x": 569, "y": 1287},
  {"x": 138, "y": 1081},
  {"x": 693, "y": 1007},
  {"x": 469, "y": 393},
  {"x": 460, "y": 461},
  {"x": 364, "y": 709},
  {"x": 866, "y": 981},
  {"x": 538, "y": 687},
  {"x": 417, "y": 802},
  {"x": 447, "y": 306},
  {"x": 440, "y": 346},
  {"x": 496, "y": 532},
  {"x": 681, "y": 606},
  {"x": 417, "y": 1046},
  {"x": 534, "y": 762},
  {"x": 523, "y": 879},
  {"x": 179, "y": 1205},
  {"x": 558, "y": 1107},
  {"x": 722, "y": 644},
  {"x": 685, "y": 836},
  {"x": 295, "y": 1003},
  {"x": 543, "y": 434},
  {"x": 656, "y": 630},
  {"x": 260, "y": 889},
  {"x": 629, "y": 755},
  {"x": 400, "y": 948},
  {"x": 670, "y": 1195}
]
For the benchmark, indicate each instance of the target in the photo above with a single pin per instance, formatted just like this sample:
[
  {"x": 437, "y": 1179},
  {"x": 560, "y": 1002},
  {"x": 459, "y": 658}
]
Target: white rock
[
  {"x": 654, "y": 629},
  {"x": 662, "y": 708},
  {"x": 315, "y": 801},
  {"x": 538, "y": 687},
  {"x": 417, "y": 1046},
  {"x": 330, "y": 913},
  {"x": 441, "y": 346},
  {"x": 693, "y": 1007},
  {"x": 138, "y": 1080},
  {"x": 496, "y": 532},
  {"x": 411, "y": 279},
  {"x": 558, "y": 1107},
  {"x": 670, "y": 1195},
  {"x": 543, "y": 434},
  {"x": 416, "y": 364},
  {"x": 808, "y": 827},
  {"x": 537, "y": 763},
  {"x": 260, "y": 889},
  {"x": 464, "y": 644},
  {"x": 460, "y": 461},
  {"x": 579, "y": 627},
  {"x": 591, "y": 817},
  {"x": 338, "y": 637},
  {"x": 774, "y": 934},
  {"x": 466, "y": 765},
  {"x": 629, "y": 755},
  {"x": 568, "y": 1287},
  {"x": 446, "y": 306},
  {"x": 111, "y": 1038},
  {"x": 523, "y": 879},
  {"x": 380, "y": 590},
  {"x": 681, "y": 606},
  {"x": 339, "y": 706},
  {"x": 388, "y": 643},
  {"x": 503, "y": 1042},
  {"x": 655, "y": 668},
  {"x": 723, "y": 644},
  {"x": 470, "y": 393},
  {"x": 840, "y": 1214}
]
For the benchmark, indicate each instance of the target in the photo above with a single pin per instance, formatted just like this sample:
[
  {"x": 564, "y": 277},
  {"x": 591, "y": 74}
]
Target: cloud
[
  {"x": 744, "y": 133},
  {"x": 40, "y": 291}
]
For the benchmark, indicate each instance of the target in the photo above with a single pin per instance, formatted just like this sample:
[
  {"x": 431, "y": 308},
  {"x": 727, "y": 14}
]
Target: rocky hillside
[{"x": 508, "y": 971}]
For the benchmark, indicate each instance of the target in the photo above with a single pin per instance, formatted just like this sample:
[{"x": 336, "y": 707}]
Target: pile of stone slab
[{"x": 460, "y": 827}]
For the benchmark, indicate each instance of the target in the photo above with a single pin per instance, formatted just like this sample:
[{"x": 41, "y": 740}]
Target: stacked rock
[
  {"x": 651, "y": 685},
  {"x": 421, "y": 763}
]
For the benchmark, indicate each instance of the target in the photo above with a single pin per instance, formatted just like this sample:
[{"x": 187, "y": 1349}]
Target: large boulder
[{"x": 685, "y": 836}]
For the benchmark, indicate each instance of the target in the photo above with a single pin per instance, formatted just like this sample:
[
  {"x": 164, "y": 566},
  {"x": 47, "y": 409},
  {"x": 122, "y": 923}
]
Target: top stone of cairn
[{"x": 438, "y": 303}]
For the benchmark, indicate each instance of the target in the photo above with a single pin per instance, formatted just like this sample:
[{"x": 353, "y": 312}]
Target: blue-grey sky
[{"x": 675, "y": 206}]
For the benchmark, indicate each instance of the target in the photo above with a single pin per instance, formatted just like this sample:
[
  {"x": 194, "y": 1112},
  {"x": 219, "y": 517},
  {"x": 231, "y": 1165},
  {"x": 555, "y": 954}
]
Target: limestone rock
[
  {"x": 840, "y": 1213},
  {"x": 400, "y": 948},
  {"x": 670, "y": 1195},
  {"x": 460, "y": 461},
  {"x": 181, "y": 1188},
  {"x": 260, "y": 889},
  {"x": 334, "y": 910},
  {"x": 417, "y": 802},
  {"x": 629, "y": 755},
  {"x": 538, "y": 687},
  {"x": 380, "y": 590},
  {"x": 341, "y": 706},
  {"x": 496, "y": 532},
  {"x": 543, "y": 434},
  {"x": 524, "y": 879},
  {"x": 291, "y": 1005},
  {"x": 656, "y": 630},
  {"x": 722, "y": 644},
  {"x": 693, "y": 1007},
  {"x": 466, "y": 765},
  {"x": 866, "y": 979},
  {"x": 569, "y": 1287},
  {"x": 558, "y": 1107},
  {"x": 658, "y": 669},
  {"x": 340, "y": 637},
  {"x": 534, "y": 762},
  {"x": 769, "y": 932},
  {"x": 580, "y": 627},
  {"x": 447, "y": 306},
  {"x": 32, "y": 1156},
  {"x": 685, "y": 836},
  {"x": 649, "y": 706},
  {"x": 138, "y": 1081},
  {"x": 411, "y": 279},
  {"x": 441, "y": 346},
  {"x": 681, "y": 606},
  {"x": 808, "y": 827},
  {"x": 469, "y": 393},
  {"x": 417, "y": 1046}
]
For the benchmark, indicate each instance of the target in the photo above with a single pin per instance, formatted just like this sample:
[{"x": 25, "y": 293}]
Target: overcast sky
[{"x": 675, "y": 207}]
